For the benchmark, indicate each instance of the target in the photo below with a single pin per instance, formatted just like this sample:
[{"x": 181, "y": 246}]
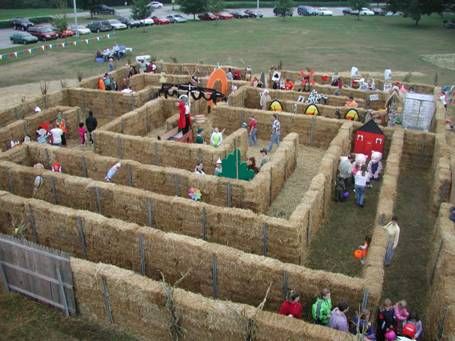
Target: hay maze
[{"x": 229, "y": 247}]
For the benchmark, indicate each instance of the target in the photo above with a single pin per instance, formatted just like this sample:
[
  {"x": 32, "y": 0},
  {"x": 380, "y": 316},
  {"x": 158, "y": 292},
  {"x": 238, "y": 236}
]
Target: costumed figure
[
  {"x": 345, "y": 169},
  {"x": 216, "y": 138},
  {"x": 289, "y": 84},
  {"x": 374, "y": 166},
  {"x": 184, "y": 122},
  {"x": 264, "y": 99},
  {"x": 248, "y": 73},
  {"x": 218, "y": 168},
  {"x": 315, "y": 98},
  {"x": 276, "y": 79},
  {"x": 56, "y": 167},
  {"x": 394, "y": 106},
  {"x": 355, "y": 75}
]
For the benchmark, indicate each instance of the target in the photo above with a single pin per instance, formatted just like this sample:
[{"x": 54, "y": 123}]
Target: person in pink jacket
[{"x": 401, "y": 314}]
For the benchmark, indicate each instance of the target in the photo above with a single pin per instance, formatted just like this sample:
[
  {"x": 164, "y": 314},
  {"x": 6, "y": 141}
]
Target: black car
[
  {"x": 283, "y": 12},
  {"x": 350, "y": 11},
  {"x": 21, "y": 24},
  {"x": 130, "y": 22},
  {"x": 253, "y": 14},
  {"x": 239, "y": 15},
  {"x": 102, "y": 9},
  {"x": 99, "y": 26}
]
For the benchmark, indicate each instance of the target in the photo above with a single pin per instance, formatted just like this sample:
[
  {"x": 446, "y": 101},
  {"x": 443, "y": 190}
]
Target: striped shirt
[{"x": 276, "y": 127}]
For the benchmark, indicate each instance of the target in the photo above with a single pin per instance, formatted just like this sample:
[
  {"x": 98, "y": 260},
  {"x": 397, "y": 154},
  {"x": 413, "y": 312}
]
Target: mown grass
[
  {"x": 6, "y": 14},
  {"x": 325, "y": 43}
]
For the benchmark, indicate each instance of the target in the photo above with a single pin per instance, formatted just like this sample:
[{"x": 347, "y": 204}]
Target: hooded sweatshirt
[{"x": 338, "y": 320}]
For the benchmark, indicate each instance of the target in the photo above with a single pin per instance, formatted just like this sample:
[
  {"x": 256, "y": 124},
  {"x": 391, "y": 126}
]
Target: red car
[
  {"x": 160, "y": 21},
  {"x": 207, "y": 16},
  {"x": 44, "y": 32},
  {"x": 224, "y": 15},
  {"x": 66, "y": 33}
]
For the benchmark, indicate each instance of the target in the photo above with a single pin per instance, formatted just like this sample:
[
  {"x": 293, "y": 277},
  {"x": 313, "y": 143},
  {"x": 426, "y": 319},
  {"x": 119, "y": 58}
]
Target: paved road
[{"x": 125, "y": 12}]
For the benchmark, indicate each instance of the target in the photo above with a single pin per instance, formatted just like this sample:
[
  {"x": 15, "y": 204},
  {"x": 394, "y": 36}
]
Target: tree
[
  {"x": 414, "y": 9},
  {"x": 283, "y": 7},
  {"x": 140, "y": 10},
  {"x": 357, "y": 5},
  {"x": 193, "y": 6},
  {"x": 215, "y": 5}
]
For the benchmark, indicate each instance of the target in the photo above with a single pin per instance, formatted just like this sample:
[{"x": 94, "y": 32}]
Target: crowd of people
[{"x": 393, "y": 321}]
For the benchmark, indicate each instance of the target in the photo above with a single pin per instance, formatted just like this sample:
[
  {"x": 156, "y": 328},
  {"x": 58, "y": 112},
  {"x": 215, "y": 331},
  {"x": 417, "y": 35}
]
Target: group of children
[
  {"x": 393, "y": 323},
  {"x": 358, "y": 173}
]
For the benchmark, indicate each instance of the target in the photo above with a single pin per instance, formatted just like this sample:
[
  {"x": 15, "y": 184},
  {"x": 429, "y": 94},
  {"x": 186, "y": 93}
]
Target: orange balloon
[{"x": 358, "y": 254}]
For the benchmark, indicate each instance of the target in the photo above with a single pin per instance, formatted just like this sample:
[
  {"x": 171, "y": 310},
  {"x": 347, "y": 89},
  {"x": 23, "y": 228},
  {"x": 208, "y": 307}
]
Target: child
[
  {"x": 414, "y": 319},
  {"x": 390, "y": 334},
  {"x": 199, "y": 169},
  {"x": 218, "y": 168},
  {"x": 112, "y": 171},
  {"x": 401, "y": 314},
  {"x": 340, "y": 188},
  {"x": 82, "y": 133},
  {"x": 386, "y": 317},
  {"x": 364, "y": 249}
]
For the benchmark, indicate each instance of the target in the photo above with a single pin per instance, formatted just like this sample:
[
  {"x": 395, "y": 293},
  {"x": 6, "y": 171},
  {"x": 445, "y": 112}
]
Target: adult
[
  {"x": 61, "y": 123},
  {"x": 338, "y": 319},
  {"x": 56, "y": 135},
  {"x": 360, "y": 180},
  {"x": 112, "y": 171},
  {"x": 345, "y": 170},
  {"x": 229, "y": 75},
  {"x": 91, "y": 123},
  {"x": 276, "y": 131},
  {"x": 251, "y": 164},
  {"x": 351, "y": 103},
  {"x": 291, "y": 306},
  {"x": 393, "y": 233},
  {"x": 184, "y": 122},
  {"x": 252, "y": 130},
  {"x": 216, "y": 139},
  {"x": 321, "y": 309},
  {"x": 264, "y": 99}
]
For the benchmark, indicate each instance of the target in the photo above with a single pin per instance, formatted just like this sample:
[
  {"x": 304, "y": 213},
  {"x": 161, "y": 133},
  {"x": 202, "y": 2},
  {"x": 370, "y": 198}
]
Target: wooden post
[
  {"x": 265, "y": 239},
  {"x": 81, "y": 231},
  {"x": 433, "y": 271},
  {"x": 150, "y": 220},
  {"x": 54, "y": 190},
  {"x": 229, "y": 194},
  {"x": 142, "y": 254},
  {"x": 308, "y": 229},
  {"x": 84, "y": 167},
  {"x": 285, "y": 288},
  {"x": 119, "y": 147},
  {"x": 61, "y": 289},
  {"x": 214, "y": 276},
  {"x": 177, "y": 185},
  {"x": 10, "y": 182},
  {"x": 270, "y": 187},
  {"x": 33, "y": 224},
  {"x": 204, "y": 224},
  {"x": 107, "y": 302},
  {"x": 97, "y": 200},
  {"x": 365, "y": 298},
  {"x": 129, "y": 175},
  {"x": 4, "y": 278}
]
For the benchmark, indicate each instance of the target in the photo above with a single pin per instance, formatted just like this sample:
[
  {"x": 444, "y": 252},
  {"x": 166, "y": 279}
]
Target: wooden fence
[{"x": 39, "y": 272}]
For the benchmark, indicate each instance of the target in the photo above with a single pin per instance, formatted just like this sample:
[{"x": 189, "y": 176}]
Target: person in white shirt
[
  {"x": 112, "y": 171},
  {"x": 56, "y": 134},
  {"x": 199, "y": 169},
  {"x": 276, "y": 131},
  {"x": 360, "y": 179},
  {"x": 393, "y": 232}
]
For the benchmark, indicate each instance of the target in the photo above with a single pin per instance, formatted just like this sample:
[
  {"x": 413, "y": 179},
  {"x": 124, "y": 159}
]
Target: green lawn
[
  {"x": 6, "y": 14},
  {"x": 325, "y": 43},
  {"x": 25, "y": 319}
]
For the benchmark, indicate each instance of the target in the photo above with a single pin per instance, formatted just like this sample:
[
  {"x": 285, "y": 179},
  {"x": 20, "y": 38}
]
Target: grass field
[
  {"x": 6, "y": 14},
  {"x": 324, "y": 43}
]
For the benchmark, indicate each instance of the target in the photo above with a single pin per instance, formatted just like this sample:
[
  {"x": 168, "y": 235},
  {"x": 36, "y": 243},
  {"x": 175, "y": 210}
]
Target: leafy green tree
[
  {"x": 140, "y": 10},
  {"x": 215, "y": 5},
  {"x": 283, "y": 7},
  {"x": 414, "y": 9},
  {"x": 193, "y": 6},
  {"x": 357, "y": 5}
]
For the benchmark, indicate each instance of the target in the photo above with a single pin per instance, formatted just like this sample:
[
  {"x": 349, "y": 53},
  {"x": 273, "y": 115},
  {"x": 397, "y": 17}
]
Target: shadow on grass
[
  {"x": 25, "y": 319},
  {"x": 332, "y": 248}
]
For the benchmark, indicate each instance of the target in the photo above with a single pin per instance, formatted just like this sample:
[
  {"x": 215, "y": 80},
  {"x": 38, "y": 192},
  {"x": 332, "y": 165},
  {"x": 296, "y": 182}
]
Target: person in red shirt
[
  {"x": 289, "y": 85},
  {"x": 291, "y": 306},
  {"x": 252, "y": 131}
]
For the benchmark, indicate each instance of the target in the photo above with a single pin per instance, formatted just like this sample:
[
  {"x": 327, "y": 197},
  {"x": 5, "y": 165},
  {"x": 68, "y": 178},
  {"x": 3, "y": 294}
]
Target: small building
[{"x": 369, "y": 138}]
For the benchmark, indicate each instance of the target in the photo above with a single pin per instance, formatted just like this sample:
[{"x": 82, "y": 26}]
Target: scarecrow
[{"x": 184, "y": 122}]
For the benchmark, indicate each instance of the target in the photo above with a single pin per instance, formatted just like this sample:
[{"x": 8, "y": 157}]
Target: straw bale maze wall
[
  {"x": 441, "y": 276},
  {"x": 119, "y": 243},
  {"x": 29, "y": 124},
  {"x": 138, "y": 305}
]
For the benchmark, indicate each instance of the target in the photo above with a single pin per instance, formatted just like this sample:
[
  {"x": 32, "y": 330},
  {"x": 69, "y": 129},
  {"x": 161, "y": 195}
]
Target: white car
[
  {"x": 155, "y": 4},
  {"x": 176, "y": 18},
  {"x": 324, "y": 11},
  {"x": 147, "y": 21},
  {"x": 366, "y": 11},
  {"x": 116, "y": 24},
  {"x": 81, "y": 29}
]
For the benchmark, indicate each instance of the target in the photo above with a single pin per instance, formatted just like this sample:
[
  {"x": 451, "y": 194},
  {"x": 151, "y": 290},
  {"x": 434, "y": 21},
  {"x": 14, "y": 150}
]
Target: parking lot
[{"x": 125, "y": 12}]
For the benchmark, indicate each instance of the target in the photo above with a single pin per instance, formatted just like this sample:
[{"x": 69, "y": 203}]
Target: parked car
[
  {"x": 176, "y": 18},
  {"x": 350, "y": 11},
  {"x": 116, "y": 24},
  {"x": 450, "y": 24},
  {"x": 102, "y": 9},
  {"x": 324, "y": 11},
  {"x": 66, "y": 33},
  {"x": 81, "y": 29},
  {"x": 253, "y": 14},
  {"x": 224, "y": 15},
  {"x": 207, "y": 16},
  {"x": 160, "y": 21},
  {"x": 147, "y": 21},
  {"x": 366, "y": 11},
  {"x": 239, "y": 14},
  {"x": 306, "y": 11},
  {"x": 22, "y": 38},
  {"x": 393, "y": 14},
  {"x": 283, "y": 11},
  {"x": 130, "y": 22},
  {"x": 378, "y": 11},
  {"x": 155, "y": 4},
  {"x": 43, "y": 32},
  {"x": 21, "y": 24},
  {"x": 99, "y": 26}
]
